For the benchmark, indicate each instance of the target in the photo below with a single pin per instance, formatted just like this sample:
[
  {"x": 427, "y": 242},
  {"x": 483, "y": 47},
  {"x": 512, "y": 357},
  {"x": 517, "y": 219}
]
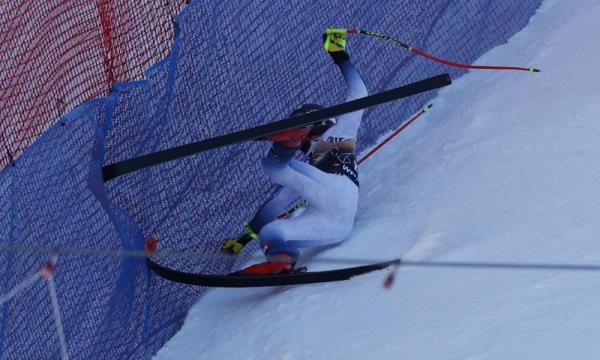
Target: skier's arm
[
  {"x": 355, "y": 86},
  {"x": 347, "y": 125}
]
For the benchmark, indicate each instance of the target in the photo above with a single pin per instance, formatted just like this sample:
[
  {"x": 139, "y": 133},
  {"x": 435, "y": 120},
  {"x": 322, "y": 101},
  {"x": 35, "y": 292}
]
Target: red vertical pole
[{"x": 103, "y": 11}]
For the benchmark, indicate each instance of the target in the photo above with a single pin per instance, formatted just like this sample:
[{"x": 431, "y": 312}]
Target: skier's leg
[
  {"x": 311, "y": 229},
  {"x": 277, "y": 157},
  {"x": 305, "y": 180},
  {"x": 327, "y": 222},
  {"x": 269, "y": 211},
  {"x": 330, "y": 216},
  {"x": 282, "y": 201},
  {"x": 277, "y": 166}
]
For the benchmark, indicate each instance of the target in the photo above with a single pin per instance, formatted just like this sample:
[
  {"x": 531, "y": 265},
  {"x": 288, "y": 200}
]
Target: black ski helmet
[{"x": 317, "y": 128}]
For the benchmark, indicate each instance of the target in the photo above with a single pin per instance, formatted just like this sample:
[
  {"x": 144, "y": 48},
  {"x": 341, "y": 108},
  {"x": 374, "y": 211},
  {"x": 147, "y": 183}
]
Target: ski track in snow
[{"x": 503, "y": 169}]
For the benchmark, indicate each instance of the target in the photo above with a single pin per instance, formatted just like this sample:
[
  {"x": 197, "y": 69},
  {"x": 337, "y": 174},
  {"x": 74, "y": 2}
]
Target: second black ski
[{"x": 127, "y": 166}]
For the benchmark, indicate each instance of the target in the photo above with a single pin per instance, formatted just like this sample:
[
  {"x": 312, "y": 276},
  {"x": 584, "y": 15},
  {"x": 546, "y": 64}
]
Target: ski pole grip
[{"x": 331, "y": 30}]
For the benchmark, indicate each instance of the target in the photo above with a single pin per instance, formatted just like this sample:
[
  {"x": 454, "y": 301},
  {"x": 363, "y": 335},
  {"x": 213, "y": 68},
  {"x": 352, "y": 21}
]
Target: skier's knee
[{"x": 273, "y": 242}]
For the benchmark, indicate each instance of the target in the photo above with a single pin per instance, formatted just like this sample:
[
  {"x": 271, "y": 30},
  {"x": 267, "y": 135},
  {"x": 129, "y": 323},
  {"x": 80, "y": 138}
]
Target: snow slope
[{"x": 504, "y": 169}]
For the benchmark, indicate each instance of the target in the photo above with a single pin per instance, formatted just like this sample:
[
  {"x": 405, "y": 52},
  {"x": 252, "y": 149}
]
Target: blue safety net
[{"x": 233, "y": 65}]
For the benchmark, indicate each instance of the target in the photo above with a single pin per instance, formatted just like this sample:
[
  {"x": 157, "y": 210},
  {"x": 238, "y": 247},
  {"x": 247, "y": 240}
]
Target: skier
[
  {"x": 286, "y": 202},
  {"x": 328, "y": 182}
]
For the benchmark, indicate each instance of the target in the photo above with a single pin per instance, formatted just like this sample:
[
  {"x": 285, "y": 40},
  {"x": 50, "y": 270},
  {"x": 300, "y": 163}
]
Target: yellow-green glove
[{"x": 334, "y": 40}]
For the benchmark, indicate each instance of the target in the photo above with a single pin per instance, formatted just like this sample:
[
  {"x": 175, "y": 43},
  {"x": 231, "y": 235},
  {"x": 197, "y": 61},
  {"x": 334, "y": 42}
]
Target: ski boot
[{"x": 276, "y": 264}]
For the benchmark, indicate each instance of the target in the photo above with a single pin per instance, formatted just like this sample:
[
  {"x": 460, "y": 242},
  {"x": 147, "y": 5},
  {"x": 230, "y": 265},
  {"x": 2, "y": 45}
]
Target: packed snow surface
[{"x": 504, "y": 169}]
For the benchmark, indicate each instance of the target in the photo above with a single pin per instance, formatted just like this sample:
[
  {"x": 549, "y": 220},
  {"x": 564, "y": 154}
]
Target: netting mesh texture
[
  {"x": 232, "y": 65},
  {"x": 58, "y": 53}
]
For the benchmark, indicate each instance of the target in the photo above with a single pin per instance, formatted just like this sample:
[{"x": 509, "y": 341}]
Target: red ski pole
[
  {"x": 429, "y": 56},
  {"x": 396, "y": 132},
  {"x": 389, "y": 280}
]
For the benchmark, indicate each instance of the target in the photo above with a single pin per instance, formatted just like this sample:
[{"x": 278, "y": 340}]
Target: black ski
[
  {"x": 295, "y": 278},
  {"x": 112, "y": 171}
]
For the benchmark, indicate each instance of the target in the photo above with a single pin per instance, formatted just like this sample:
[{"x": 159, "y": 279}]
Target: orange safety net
[{"x": 56, "y": 54}]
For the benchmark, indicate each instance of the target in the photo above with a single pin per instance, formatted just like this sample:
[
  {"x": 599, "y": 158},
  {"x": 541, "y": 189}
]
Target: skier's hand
[
  {"x": 334, "y": 40},
  {"x": 232, "y": 246}
]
